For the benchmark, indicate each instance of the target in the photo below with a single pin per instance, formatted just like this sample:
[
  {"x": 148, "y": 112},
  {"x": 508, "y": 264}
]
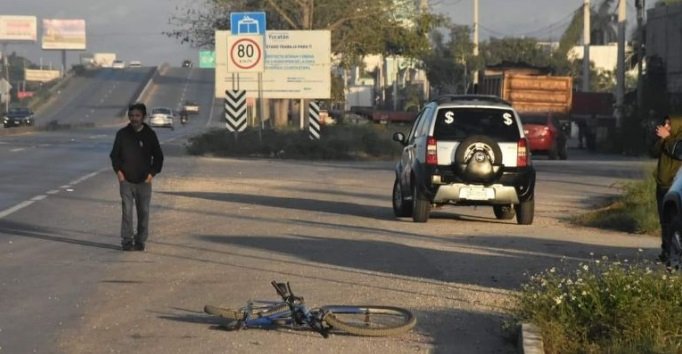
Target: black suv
[{"x": 465, "y": 150}]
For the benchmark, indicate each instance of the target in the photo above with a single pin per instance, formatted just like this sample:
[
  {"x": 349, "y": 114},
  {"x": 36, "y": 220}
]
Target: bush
[
  {"x": 338, "y": 142},
  {"x": 605, "y": 307},
  {"x": 635, "y": 211}
]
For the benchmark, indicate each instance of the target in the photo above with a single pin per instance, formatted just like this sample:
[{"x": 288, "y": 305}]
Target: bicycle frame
[{"x": 291, "y": 311}]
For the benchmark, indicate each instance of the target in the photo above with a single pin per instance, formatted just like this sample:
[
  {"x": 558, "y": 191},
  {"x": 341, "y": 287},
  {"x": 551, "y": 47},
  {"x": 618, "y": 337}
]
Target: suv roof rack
[{"x": 483, "y": 98}]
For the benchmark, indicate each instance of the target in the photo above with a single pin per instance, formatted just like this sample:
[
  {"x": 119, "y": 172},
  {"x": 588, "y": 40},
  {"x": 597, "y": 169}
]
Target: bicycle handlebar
[{"x": 298, "y": 314}]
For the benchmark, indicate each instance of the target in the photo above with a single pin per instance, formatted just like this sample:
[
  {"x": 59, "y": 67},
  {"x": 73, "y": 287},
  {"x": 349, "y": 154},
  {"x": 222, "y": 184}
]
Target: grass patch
[
  {"x": 338, "y": 142},
  {"x": 604, "y": 307},
  {"x": 634, "y": 211}
]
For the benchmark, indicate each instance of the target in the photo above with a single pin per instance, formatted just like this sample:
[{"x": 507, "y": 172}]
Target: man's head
[{"x": 136, "y": 114}]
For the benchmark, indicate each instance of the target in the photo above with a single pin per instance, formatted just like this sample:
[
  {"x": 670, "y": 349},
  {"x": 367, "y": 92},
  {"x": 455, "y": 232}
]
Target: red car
[{"x": 544, "y": 135}]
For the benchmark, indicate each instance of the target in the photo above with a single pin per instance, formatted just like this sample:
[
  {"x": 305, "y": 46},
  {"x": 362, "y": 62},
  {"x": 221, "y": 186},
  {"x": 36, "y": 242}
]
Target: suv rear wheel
[
  {"x": 421, "y": 206},
  {"x": 401, "y": 207},
  {"x": 525, "y": 211},
  {"x": 504, "y": 212}
]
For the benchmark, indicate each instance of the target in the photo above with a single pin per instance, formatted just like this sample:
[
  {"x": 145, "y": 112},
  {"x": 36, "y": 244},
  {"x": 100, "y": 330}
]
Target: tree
[
  {"x": 358, "y": 27},
  {"x": 449, "y": 64},
  {"x": 516, "y": 50}
]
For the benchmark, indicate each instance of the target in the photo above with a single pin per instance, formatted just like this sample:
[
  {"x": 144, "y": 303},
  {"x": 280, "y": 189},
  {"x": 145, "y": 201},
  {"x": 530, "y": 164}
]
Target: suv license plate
[{"x": 476, "y": 193}]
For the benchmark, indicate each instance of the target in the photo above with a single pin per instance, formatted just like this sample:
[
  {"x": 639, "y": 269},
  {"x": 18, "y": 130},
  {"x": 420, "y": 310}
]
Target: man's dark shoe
[
  {"x": 139, "y": 247},
  {"x": 127, "y": 247},
  {"x": 663, "y": 257}
]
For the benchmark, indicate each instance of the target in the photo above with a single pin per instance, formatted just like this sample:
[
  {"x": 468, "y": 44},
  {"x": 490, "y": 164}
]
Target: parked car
[
  {"x": 187, "y": 63},
  {"x": 672, "y": 213},
  {"x": 191, "y": 107},
  {"x": 162, "y": 117},
  {"x": 18, "y": 117},
  {"x": 545, "y": 135},
  {"x": 465, "y": 150},
  {"x": 135, "y": 64},
  {"x": 118, "y": 64}
]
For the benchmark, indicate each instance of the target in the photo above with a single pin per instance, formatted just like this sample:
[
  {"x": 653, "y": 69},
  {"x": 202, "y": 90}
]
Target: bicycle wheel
[{"x": 375, "y": 321}]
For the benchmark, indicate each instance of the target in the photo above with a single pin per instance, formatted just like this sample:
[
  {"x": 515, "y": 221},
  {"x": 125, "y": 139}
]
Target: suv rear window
[{"x": 460, "y": 123}]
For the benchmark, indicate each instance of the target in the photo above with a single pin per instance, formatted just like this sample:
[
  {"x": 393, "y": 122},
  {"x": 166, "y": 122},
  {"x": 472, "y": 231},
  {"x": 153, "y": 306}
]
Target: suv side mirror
[
  {"x": 400, "y": 137},
  {"x": 677, "y": 150}
]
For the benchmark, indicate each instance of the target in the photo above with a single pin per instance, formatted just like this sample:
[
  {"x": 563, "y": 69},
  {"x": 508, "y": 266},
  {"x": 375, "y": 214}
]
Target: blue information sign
[{"x": 247, "y": 23}]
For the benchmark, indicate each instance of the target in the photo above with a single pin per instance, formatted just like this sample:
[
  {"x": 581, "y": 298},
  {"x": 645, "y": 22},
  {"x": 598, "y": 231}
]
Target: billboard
[
  {"x": 18, "y": 28},
  {"x": 41, "y": 75},
  {"x": 64, "y": 34},
  {"x": 297, "y": 65}
]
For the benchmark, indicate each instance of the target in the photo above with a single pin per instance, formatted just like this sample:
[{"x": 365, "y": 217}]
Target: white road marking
[
  {"x": 38, "y": 197},
  {"x": 17, "y": 149},
  {"x": 65, "y": 186},
  {"x": 15, "y": 208},
  {"x": 54, "y": 191},
  {"x": 79, "y": 180}
]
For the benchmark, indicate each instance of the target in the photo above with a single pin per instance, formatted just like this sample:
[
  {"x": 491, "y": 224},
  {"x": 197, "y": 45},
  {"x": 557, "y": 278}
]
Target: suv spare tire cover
[{"x": 478, "y": 158}]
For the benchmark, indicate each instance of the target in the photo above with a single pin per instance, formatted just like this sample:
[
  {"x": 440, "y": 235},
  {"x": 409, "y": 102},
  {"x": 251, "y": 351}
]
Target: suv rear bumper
[
  {"x": 500, "y": 194},
  {"x": 511, "y": 188}
]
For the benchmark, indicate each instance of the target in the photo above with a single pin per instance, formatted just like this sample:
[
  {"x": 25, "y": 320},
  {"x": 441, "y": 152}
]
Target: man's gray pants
[{"x": 138, "y": 195}]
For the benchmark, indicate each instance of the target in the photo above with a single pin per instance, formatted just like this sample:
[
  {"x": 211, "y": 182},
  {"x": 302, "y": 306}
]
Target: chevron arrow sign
[
  {"x": 235, "y": 110},
  {"x": 314, "y": 120}
]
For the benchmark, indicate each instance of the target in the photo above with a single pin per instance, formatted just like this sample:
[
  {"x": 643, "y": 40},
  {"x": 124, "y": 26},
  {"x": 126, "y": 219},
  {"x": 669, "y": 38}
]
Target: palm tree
[{"x": 603, "y": 24}]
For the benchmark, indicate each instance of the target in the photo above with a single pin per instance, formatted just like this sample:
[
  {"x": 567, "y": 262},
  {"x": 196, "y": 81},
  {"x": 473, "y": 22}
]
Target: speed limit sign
[{"x": 245, "y": 54}]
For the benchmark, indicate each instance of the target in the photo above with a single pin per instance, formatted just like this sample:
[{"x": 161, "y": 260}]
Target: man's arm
[
  {"x": 157, "y": 155},
  {"x": 115, "y": 154},
  {"x": 668, "y": 144}
]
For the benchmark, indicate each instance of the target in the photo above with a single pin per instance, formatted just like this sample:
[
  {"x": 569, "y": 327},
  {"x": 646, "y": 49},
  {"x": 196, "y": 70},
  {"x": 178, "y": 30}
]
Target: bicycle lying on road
[{"x": 291, "y": 311}]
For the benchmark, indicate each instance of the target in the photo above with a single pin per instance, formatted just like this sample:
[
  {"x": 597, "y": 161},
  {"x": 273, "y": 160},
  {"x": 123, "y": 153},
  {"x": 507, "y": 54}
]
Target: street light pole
[
  {"x": 641, "y": 5},
  {"x": 586, "y": 46},
  {"x": 475, "y": 73},
  {"x": 620, "y": 75}
]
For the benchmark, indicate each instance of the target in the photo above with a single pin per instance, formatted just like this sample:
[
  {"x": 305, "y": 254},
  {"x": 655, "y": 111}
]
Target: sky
[{"x": 133, "y": 28}]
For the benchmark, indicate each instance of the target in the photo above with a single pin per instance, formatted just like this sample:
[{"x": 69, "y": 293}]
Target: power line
[{"x": 559, "y": 23}]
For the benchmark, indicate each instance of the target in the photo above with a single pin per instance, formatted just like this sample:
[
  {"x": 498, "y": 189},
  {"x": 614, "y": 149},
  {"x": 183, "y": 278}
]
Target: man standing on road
[
  {"x": 136, "y": 158},
  {"x": 668, "y": 133}
]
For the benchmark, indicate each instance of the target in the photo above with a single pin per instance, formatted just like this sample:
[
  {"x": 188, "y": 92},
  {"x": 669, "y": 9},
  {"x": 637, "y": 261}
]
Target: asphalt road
[{"x": 222, "y": 229}]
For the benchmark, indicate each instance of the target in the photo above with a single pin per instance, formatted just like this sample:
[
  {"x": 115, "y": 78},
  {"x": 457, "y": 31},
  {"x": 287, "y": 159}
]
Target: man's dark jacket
[{"x": 137, "y": 154}]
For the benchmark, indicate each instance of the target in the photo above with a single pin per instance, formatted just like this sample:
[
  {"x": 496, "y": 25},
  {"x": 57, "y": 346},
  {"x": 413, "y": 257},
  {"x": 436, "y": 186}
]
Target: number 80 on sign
[{"x": 245, "y": 54}]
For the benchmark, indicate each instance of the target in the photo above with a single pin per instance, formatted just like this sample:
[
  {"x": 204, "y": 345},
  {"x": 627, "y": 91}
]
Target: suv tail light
[
  {"x": 522, "y": 153},
  {"x": 431, "y": 151}
]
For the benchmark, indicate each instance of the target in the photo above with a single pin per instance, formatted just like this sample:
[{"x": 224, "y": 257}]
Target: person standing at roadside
[
  {"x": 668, "y": 132},
  {"x": 136, "y": 158}
]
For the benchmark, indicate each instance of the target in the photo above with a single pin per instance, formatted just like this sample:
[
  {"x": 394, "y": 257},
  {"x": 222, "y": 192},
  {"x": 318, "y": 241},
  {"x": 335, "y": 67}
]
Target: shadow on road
[
  {"x": 23, "y": 230},
  {"x": 490, "y": 261}
]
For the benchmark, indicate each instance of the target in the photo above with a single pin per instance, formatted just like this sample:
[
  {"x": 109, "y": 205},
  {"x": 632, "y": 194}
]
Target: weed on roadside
[
  {"x": 634, "y": 211},
  {"x": 605, "y": 306}
]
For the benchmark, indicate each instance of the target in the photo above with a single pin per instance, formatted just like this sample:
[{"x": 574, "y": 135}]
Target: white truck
[{"x": 103, "y": 60}]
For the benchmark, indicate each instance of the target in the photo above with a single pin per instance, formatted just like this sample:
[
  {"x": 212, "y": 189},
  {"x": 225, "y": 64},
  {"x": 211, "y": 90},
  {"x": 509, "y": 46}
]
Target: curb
[{"x": 530, "y": 339}]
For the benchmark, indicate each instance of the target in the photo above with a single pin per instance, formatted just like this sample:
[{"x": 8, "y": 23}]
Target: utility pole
[
  {"x": 5, "y": 61},
  {"x": 475, "y": 73},
  {"x": 586, "y": 46},
  {"x": 620, "y": 75},
  {"x": 640, "y": 5}
]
